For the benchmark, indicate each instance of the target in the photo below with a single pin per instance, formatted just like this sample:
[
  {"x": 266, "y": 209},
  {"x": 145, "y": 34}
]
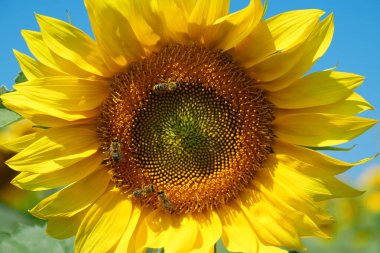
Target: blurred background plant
[{"x": 357, "y": 227}]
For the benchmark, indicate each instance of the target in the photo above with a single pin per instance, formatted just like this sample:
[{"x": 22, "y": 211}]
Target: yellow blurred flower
[
  {"x": 371, "y": 181},
  {"x": 181, "y": 124},
  {"x": 10, "y": 194}
]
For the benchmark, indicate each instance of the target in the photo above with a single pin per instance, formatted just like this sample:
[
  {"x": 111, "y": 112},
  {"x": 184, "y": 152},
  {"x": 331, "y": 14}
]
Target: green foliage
[
  {"x": 32, "y": 239},
  {"x": 219, "y": 248},
  {"x": 356, "y": 229},
  {"x": 330, "y": 148},
  {"x": 10, "y": 218},
  {"x": 7, "y": 116},
  {"x": 155, "y": 250},
  {"x": 265, "y": 9},
  {"x": 3, "y": 90},
  {"x": 20, "y": 78}
]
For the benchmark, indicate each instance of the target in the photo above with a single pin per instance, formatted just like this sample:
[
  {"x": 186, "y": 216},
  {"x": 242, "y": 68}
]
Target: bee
[
  {"x": 166, "y": 204},
  {"x": 114, "y": 152},
  {"x": 161, "y": 88},
  {"x": 141, "y": 192}
]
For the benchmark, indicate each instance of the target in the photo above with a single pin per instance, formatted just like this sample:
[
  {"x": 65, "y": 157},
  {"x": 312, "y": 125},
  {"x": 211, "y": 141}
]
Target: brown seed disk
[{"x": 189, "y": 122}]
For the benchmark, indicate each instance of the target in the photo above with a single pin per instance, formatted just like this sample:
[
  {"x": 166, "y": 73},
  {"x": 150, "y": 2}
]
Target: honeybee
[
  {"x": 114, "y": 152},
  {"x": 160, "y": 88},
  {"x": 166, "y": 204},
  {"x": 140, "y": 192}
]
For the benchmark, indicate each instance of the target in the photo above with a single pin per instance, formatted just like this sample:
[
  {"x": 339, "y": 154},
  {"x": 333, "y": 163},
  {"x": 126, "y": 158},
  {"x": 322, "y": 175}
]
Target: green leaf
[
  {"x": 265, "y": 9},
  {"x": 10, "y": 218},
  {"x": 3, "y": 90},
  {"x": 161, "y": 250},
  {"x": 332, "y": 148},
  {"x": 33, "y": 239},
  {"x": 4, "y": 235},
  {"x": 7, "y": 117},
  {"x": 20, "y": 78}
]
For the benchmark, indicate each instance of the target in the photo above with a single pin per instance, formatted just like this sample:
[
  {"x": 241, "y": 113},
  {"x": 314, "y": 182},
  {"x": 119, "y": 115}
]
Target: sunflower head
[
  {"x": 181, "y": 124},
  {"x": 189, "y": 122}
]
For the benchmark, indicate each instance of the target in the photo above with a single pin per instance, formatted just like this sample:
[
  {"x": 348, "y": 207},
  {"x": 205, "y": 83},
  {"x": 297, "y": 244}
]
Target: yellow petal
[
  {"x": 124, "y": 43},
  {"x": 275, "y": 66},
  {"x": 58, "y": 149},
  {"x": 255, "y": 48},
  {"x": 318, "y": 129},
  {"x": 270, "y": 249},
  {"x": 280, "y": 63},
  {"x": 66, "y": 93},
  {"x": 324, "y": 29},
  {"x": 39, "y": 182},
  {"x": 74, "y": 198},
  {"x": 280, "y": 71},
  {"x": 184, "y": 233},
  {"x": 326, "y": 165},
  {"x": 83, "y": 118},
  {"x": 154, "y": 230},
  {"x": 62, "y": 228},
  {"x": 352, "y": 105},
  {"x": 43, "y": 114},
  {"x": 300, "y": 221},
  {"x": 297, "y": 207},
  {"x": 14, "y": 130},
  {"x": 268, "y": 223},
  {"x": 72, "y": 44},
  {"x": 238, "y": 235},
  {"x": 174, "y": 19},
  {"x": 127, "y": 241},
  {"x": 288, "y": 29},
  {"x": 104, "y": 223},
  {"x": 70, "y": 98},
  {"x": 20, "y": 143},
  {"x": 316, "y": 89},
  {"x": 169, "y": 19},
  {"x": 281, "y": 32},
  {"x": 209, "y": 231},
  {"x": 33, "y": 69},
  {"x": 204, "y": 14},
  {"x": 38, "y": 48},
  {"x": 41, "y": 51},
  {"x": 226, "y": 32},
  {"x": 186, "y": 5},
  {"x": 317, "y": 185}
]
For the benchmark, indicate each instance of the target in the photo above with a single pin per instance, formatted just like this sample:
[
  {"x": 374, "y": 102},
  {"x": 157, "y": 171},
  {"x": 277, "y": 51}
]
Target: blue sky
[{"x": 353, "y": 49}]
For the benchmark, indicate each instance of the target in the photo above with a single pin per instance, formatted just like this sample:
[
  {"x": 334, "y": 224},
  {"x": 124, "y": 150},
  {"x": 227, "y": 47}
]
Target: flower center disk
[{"x": 185, "y": 129}]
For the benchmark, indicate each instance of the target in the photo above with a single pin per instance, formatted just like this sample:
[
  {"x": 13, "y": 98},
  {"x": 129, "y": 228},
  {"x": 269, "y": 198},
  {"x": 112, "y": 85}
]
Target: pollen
[{"x": 185, "y": 129}]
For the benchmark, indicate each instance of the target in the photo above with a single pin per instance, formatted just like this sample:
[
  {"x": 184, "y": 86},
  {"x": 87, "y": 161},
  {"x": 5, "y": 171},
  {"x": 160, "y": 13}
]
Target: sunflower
[{"x": 182, "y": 123}]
